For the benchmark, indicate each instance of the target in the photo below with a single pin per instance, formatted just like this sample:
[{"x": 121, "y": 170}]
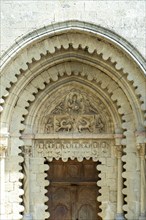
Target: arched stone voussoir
[
  {"x": 56, "y": 78},
  {"x": 83, "y": 39},
  {"x": 33, "y": 84}
]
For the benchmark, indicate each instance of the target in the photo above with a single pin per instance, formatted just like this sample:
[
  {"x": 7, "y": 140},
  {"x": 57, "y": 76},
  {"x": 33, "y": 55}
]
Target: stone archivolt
[{"x": 92, "y": 62}]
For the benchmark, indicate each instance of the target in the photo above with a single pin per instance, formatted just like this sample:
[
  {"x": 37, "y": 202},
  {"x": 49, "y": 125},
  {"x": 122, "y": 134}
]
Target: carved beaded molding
[{"x": 95, "y": 41}]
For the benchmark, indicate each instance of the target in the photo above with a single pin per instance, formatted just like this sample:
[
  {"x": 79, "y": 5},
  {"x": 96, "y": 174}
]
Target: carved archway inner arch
[{"x": 73, "y": 123}]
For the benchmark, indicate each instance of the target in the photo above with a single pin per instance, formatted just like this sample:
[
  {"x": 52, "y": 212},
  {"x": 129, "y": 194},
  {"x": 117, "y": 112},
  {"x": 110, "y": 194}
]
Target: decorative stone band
[{"x": 75, "y": 148}]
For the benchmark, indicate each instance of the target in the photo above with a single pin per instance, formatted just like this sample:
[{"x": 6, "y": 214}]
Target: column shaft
[
  {"x": 2, "y": 186},
  {"x": 141, "y": 149},
  {"x": 26, "y": 183},
  {"x": 119, "y": 215},
  {"x": 120, "y": 186}
]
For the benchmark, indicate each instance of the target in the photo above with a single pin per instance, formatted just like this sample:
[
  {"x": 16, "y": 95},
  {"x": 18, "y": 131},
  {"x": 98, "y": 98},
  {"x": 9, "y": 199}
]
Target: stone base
[
  {"x": 27, "y": 217},
  {"x": 119, "y": 216}
]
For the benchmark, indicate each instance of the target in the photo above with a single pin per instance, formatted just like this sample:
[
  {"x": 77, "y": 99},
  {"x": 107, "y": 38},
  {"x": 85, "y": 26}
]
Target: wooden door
[{"x": 73, "y": 190}]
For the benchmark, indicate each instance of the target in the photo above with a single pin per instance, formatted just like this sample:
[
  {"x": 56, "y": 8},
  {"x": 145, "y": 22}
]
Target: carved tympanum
[{"x": 76, "y": 113}]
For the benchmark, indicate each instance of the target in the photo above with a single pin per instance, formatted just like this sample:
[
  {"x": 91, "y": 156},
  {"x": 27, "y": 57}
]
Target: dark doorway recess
[{"x": 73, "y": 190}]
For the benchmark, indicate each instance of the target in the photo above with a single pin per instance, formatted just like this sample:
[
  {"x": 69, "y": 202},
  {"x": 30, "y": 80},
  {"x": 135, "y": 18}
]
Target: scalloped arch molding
[{"x": 51, "y": 58}]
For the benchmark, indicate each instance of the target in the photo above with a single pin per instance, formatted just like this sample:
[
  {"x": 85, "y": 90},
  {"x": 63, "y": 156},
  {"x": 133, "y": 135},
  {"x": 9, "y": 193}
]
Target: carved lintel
[
  {"x": 141, "y": 150},
  {"x": 72, "y": 149}
]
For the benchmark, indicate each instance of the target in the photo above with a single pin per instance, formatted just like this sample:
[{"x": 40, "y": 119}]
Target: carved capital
[
  {"x": 141, "y": 149},
  {"x": 3, "y": 144},
  {"x": 27, "y": 151},
  {"x": 118, "y": 151},
  {"x": 3, "y": 149}
]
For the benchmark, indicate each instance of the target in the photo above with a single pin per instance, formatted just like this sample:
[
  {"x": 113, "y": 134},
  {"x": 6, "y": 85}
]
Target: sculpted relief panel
[
  {"x": 72, "y": 148},
  {"x": 77, "y": 112},
  {"x": 72, "y": 125}
]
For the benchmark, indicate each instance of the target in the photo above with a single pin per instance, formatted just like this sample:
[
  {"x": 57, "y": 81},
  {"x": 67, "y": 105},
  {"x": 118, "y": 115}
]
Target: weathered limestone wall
[
  {"x": 108, "y": 184},
  {"x": 126, "y": 18},
  {"x": 13, "y": 185},
  {"x": 37, "y": 178}
]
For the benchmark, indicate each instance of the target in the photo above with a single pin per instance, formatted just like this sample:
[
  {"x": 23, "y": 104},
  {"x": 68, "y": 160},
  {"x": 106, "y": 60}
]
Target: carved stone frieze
[
  {"x": 76, "y": 113},
  {"x": 72, "y": 148}
]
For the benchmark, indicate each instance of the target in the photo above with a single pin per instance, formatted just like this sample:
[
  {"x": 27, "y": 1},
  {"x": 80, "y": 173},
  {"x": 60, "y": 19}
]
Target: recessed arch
[
  {"x": 92, "y": 55},
  {"x": 77, "y": 81},
  {"x": 71, "y": 64}
]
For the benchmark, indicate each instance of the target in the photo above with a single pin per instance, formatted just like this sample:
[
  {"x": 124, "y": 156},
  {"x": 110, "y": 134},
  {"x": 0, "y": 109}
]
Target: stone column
[
  {"x": 141, "y": 149},
  {"x": 26, "y": 183},
  {"x": 119, "y": 215},
  {"x": 2, "y": 181}
]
